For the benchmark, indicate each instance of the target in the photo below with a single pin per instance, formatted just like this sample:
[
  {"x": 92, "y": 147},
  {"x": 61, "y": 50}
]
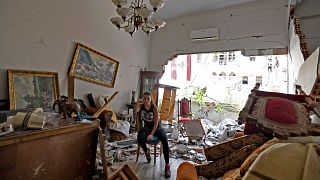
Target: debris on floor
[{"x": 185, "y": 146}]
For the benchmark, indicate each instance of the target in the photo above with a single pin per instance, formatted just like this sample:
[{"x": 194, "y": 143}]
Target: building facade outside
[{"x": 226, "y": 77}]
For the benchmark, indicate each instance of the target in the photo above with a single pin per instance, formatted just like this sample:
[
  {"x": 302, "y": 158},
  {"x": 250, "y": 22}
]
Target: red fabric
[
  {"x": 280, "y": 110},
  {"x": 250, "y": 128},
  {"x": 293, "y": 97},
  {"x": 184, "y": 108},
  {"x": 188, "y": 67},
  {"x": 183, "y": 120}
]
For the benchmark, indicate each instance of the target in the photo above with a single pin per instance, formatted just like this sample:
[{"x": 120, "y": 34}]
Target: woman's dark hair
[{"x": 147, "y": 93}]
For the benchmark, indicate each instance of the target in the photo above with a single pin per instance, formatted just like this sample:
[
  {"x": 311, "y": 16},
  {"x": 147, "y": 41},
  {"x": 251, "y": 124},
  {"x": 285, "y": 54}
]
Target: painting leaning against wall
[{"x": 32, "y": 89}]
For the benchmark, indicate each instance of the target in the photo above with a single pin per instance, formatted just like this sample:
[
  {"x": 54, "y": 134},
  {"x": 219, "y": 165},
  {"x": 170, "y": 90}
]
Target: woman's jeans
[{"x": 159, "y": 133}]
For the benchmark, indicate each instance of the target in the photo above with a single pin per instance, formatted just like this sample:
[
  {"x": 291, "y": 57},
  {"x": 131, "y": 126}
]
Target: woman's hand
[
  {"x": 149, "y": 137},
  {"x": 137, "y": 106}
]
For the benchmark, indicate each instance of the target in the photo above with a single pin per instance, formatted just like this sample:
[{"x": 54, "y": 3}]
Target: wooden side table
[{"x": 130, "y": 106}]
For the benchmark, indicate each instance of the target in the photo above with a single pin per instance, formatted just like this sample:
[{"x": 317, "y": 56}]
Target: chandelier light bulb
[
  {"x": 117, "y": 21},
  {"x": 119, "y": 3},
  {"x": 145, "y": 13},
  {"x": 156, "y": 4},
  {"x": 158, "y": 23},
  {"x": 147, "y": 29},
  {"x": 123, "y": 12},
  {"x": 129, "y": 29}
]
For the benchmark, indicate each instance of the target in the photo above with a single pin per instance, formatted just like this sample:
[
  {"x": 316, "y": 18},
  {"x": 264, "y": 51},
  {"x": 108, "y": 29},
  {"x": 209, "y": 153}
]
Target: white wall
[
  {"x": 266, "y": 18},
  {"x": 42, "y": 34}
]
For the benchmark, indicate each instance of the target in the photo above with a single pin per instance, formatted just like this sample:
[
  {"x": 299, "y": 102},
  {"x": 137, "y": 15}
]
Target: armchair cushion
[
  {"x": 279, "y": 117},
  {"x": 280, "y": 110}
]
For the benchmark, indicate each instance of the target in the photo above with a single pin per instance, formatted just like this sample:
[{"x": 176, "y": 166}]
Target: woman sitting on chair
[{"x": 149, "y": 119}]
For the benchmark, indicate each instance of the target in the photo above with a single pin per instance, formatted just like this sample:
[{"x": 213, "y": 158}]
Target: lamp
[{"x": 137, "y": 15}]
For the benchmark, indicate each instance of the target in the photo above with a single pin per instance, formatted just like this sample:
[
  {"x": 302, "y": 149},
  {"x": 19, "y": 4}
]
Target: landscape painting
[
  {"x": 32, "y": 89},
  {"x": 93, "y": 66}
]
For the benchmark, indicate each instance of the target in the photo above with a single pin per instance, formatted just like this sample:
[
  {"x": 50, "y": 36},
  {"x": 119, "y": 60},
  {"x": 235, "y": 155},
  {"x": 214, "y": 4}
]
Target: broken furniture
[
  {"x": 277, "y": 114},
  {"x": 192, "y": 129},
  {"x": 123, "y": 173},
  {"x": 102, "y": 143},
  {"x": 104, "y": 112},
  {"x": 272, "y": 114},
  {"x": 228, "y": 155},
  {"x": 168, "y": 102},
  {"x": 66, "y": 152}
]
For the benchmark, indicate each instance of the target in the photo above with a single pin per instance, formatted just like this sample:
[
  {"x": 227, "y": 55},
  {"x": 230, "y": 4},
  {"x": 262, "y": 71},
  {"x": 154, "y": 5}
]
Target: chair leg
[
  {"x": 138, "y": 153},
  {"x": 155, "y": 154}
]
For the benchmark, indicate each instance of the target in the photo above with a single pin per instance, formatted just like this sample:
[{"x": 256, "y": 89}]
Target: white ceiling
[{"x": 177, "y": 8}]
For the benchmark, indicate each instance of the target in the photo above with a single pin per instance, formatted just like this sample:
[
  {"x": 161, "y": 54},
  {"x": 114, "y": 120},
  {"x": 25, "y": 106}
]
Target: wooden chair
[
  {"x": 184, "y": 110},
  {"x": 154, "y": 144}
]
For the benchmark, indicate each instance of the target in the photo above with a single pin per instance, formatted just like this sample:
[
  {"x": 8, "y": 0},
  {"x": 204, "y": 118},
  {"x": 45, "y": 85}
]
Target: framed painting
[
  {"x": 32, "y": 89},
  {"x": 93, "y": 66}
]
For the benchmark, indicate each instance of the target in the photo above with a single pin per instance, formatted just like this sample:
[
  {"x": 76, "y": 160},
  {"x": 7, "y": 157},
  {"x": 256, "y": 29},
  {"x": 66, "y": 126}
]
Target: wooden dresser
[{"x": 64, "y": 152}]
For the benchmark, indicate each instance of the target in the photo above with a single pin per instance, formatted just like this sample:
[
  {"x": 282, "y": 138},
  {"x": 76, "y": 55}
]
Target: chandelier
[{"x": 137, "y": 15}]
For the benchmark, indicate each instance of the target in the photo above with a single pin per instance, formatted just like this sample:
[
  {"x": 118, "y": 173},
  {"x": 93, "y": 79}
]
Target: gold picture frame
[
  {"x": 32, "y": 89},
  {"x": 93, "y": 66}
]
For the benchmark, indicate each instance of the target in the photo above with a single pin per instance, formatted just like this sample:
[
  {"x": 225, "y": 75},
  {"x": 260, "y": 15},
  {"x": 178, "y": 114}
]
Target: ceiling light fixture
[{"x": 137, "y": 15}]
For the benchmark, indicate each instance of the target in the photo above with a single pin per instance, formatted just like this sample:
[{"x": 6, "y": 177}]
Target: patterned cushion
[
  {"x": 233, "y": 174},
  {"x": 279, "y": 117},
  {"x": 217, "y": 168},
  {"x": 252, "y": 157}
]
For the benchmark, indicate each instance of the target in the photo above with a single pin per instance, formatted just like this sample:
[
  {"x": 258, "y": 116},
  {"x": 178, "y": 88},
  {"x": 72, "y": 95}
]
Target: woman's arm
[
  {"x": 137, "y": 108},
  {"x": 137, "y": 117},
  {"x": 155, "y": 119}
]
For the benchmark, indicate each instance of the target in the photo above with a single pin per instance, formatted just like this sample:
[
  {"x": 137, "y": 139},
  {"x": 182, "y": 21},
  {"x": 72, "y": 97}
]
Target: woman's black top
[{"x": 147, "y": 116}]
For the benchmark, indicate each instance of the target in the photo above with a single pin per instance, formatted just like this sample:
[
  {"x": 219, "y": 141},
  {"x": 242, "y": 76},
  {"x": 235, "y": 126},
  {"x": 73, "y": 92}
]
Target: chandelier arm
[
  {"x": 120, "y": 27},
  {"x": 147, "y": 25},
  {"x": 140, "y": 3},
  {"x": 144, "y": 6},
  {"x": 132, "y": 5},
  {"x": 131, "y": 11}
]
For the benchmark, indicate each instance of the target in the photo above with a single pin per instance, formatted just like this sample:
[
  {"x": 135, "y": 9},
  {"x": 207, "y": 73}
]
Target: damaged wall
[
  {"x": 309, "y": 14},
  {"x": 42, "y": 34},
  {"x": 255, "y": 25}
]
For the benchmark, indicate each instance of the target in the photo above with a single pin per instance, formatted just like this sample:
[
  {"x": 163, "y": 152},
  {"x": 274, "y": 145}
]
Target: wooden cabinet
[
  {"x": 67, "y": 152},
  {"x": 148, "y": 82}
]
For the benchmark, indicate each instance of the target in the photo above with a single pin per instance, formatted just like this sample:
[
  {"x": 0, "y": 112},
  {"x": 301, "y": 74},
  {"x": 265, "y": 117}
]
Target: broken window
[
  {"x": 252, "y": 58},
  {"x": 214, "y": 58},
  {"x": 232, "y": 57},
  {"x": 259, "y": 79},
  {"x": 198, "y": 58},
  {"x": 244, "y": 79}
]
